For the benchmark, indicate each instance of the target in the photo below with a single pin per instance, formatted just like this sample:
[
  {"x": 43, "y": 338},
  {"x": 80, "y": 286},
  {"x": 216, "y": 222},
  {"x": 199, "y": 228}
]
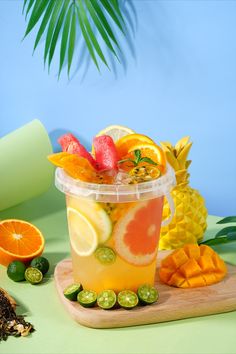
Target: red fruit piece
[
  {"x": 71, "y": 144},
  {"x": 105, "y": 153}
]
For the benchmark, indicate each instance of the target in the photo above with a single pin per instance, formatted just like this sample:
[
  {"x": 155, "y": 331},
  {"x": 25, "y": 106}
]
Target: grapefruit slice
[
  {"x": 96, "y": 215},
  {"x": 136, "y": 234},
  {"x": 83, "y": 236}
]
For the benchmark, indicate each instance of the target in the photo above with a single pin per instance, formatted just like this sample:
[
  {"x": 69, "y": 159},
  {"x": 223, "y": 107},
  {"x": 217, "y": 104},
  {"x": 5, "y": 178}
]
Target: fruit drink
[{"x": 114, "y": 199}]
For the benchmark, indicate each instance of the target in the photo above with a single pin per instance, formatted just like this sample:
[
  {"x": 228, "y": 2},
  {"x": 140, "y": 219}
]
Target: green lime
[
  {"x": 16, "y": 271},
  {"x": 147, "y": 294},
  {"x": 105, "y": 255},
  {"x": 40, "y": 263},
  {"x": 72, "y": 291},
  {"x": 106, "y": 299},
  {"x": 33, "y": 275},
  {"x": 87, "y": 298},
  {"x": 127, "y": 299}
]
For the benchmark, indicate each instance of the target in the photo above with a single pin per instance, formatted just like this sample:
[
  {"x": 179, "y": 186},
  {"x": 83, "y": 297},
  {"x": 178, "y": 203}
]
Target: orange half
[
  {"x": 19, "y": 240},
  {"x": 125, "y": 143}
]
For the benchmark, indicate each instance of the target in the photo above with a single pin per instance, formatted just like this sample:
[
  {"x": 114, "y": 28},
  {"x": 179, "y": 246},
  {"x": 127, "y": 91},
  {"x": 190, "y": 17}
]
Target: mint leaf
[
  {"x": 148, "y": 160},
  {"x": 137, "y": 154}
]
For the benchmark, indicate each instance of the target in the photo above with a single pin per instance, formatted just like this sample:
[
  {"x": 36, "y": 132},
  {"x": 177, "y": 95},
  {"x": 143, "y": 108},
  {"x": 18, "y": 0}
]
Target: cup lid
[{"x": 115, "y": 193}]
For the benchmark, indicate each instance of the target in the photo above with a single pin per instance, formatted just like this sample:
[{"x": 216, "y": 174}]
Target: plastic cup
[
  {"x": 25, "y": 171},
  {"x": 114, "y": 230}
]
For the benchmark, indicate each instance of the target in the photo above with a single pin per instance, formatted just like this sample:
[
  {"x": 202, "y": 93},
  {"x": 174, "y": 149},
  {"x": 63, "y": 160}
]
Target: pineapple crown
[{"x": 177, "y": 157}]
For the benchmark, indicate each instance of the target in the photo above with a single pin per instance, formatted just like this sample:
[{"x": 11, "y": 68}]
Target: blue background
[{"x": 179, "y": 79}]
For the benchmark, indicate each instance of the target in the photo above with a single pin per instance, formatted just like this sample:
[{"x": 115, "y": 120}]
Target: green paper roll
[{"x": 25, "y": 171}]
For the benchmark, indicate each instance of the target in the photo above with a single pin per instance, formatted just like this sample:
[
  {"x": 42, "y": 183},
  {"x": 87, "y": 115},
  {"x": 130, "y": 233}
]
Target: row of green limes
[
  {"x": 107, "y": 299},
  {"x": 18, "y": 271}
]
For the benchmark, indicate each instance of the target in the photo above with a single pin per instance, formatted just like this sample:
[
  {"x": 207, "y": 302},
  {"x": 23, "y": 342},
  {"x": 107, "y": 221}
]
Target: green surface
[{"x": 56, "y": 332}]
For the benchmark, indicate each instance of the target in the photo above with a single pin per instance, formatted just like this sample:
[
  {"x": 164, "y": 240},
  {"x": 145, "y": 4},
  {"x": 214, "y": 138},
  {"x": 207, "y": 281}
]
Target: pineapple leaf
[
  {"x": 225, "y": 231},
  {"x": 227, "y": 220}
]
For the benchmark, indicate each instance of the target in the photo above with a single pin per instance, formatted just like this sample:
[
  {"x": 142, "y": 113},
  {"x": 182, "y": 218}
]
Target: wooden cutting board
[{"x": 173, "y": 303}]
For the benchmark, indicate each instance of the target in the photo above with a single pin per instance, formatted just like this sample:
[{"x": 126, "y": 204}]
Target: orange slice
[
  {"x": 124, "y": 144},
  {"x": 19, "y": 240},
  {"x": 152, "y": 151},
  {"x": 136, "y": 233},
  {"x": 58, "y": 158},
  {"x": 80, "y": 168}
]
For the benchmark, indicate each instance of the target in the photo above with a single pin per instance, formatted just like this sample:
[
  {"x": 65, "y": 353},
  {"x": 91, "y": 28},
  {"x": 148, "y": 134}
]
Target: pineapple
[{"x": 189, "y": 221}]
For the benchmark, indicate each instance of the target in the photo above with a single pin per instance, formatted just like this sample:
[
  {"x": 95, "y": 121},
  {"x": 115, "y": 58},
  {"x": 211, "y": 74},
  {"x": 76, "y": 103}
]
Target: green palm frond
[{"x": 60, "y": 21}]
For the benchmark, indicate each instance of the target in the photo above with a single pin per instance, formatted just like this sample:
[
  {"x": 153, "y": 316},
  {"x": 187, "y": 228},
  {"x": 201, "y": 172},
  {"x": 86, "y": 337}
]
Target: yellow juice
[{"x": 114, "y": 245}]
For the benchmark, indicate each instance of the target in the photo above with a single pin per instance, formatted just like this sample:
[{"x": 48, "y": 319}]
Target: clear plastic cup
[{"x": 114, "y": 230}]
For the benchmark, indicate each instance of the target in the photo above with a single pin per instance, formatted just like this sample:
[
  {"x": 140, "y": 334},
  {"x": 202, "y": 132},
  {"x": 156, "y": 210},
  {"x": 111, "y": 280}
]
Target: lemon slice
[
  {"x": 116, "y": 132},
  {"x": 83, "y": 236},
  {"x": 96, "y": 215}
]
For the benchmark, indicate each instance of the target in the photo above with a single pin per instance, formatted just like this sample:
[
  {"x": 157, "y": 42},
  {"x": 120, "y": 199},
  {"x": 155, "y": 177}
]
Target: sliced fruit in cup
[
  {"x": 105, "y": 153},
  {"x": 83, "y": 236},
  {"x": 106, "y": 299},
  {"x": 136, "y": 233},
  {"x": 19, "y": 240},
  {"x": 116, "y": 132},
  {"x": 105, "y": 255},
  {"x": 87, "y": 298},
  {"x": 97, "y": 216}
]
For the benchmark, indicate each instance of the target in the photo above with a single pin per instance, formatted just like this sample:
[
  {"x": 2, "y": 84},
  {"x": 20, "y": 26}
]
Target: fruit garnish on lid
[
  {"x": 72, "y": 145},
  {"x": 105, "y": 153},
  {"x": 124, "y": 144}
]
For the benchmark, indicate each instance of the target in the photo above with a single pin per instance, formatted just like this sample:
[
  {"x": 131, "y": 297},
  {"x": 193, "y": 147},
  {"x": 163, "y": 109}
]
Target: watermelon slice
[
  {"x": 105, "y": 153},
  {"x": 71, "y": 144}
]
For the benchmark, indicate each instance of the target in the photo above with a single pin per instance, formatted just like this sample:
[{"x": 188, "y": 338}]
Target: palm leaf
[
  {"x": 64, "y": 38},
  {"x": 44, "y": 22},
  {"x": 87, "y": 40},
  {"x": 112, "y": 13},
  {"x": 51, "y": 27},
  {"x": 57, "y": 30},
  {"x": 90, "y": 32},
  {"x": 71, "y": 40},
  {"x": 103, "y": 20},
  {"x": 100, "y": 27},
  {"x": 59, "y": 20},
  {"x": 36, "y": 13}
]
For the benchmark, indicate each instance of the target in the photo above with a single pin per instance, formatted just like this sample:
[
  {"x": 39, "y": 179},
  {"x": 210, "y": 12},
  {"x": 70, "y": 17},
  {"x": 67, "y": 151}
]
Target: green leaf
[
  {"x": 100, "y": 27},
  {"x": 117, "y": 8},
  {"x": 71, "y": 40},
  {"x": 226, "y": 220},
  {"x": 44, "y": 22},
  {"x": 148, "y": 160},
  {"x": 28, "y": 7},
  {"x": 126, "y": 160},
  {"x": 225, "y": 231},
  {"x": 137, "y": 154},
  {"x": 87, "y": 40},
  {"x": 64, "y": 38},
  {"x": 36, "y": 13},
  {"x": 104, "y": 21},
  {"x": 51, "y": 27},
  {"x": 112, "y": 13},
  {"x": 220, "y": 240},
  {"x": 57, "y": 30},
  {"x": 90, "y": 32},
  {"x": 25, "y": 1}
]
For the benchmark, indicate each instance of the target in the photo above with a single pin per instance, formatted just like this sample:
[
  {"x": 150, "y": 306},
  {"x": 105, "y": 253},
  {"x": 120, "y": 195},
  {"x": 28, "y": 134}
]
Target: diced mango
[
  {"x": 192, "y": 251},
  {"x": 196, "y": 281},
  {"x": 206, "y": 263},
  {"x": 190, "y": 268}
]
